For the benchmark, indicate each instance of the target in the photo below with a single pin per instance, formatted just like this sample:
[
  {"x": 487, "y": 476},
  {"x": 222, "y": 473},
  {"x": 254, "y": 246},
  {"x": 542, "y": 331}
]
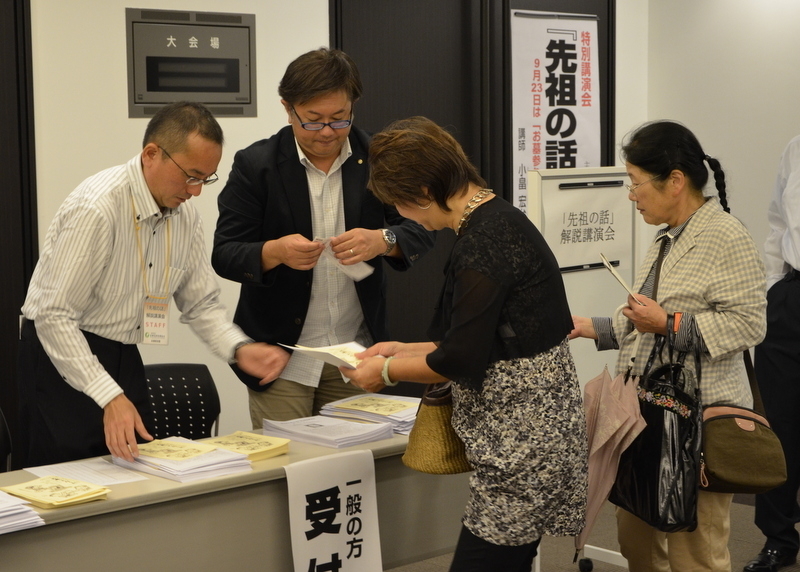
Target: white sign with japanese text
[
  {"x": 555, "y": 92},
  {"x": 583, "y": 213},
  {"x": 333, "y": 514}
]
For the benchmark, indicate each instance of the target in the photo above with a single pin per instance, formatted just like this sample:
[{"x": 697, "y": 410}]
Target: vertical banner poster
[
  {"x": 555, "y": 94},
  {"x": 333, "y": 514}
]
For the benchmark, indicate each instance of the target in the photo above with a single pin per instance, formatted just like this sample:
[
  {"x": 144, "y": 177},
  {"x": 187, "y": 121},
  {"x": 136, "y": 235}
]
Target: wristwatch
[{"x": 390, "y": 239}]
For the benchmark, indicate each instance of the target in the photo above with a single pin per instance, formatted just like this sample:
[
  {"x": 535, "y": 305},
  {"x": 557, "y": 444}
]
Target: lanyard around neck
[{"x": 141, "y": 256}]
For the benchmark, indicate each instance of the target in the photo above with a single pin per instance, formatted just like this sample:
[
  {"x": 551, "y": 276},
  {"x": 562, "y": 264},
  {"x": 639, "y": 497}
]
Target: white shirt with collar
[
  {"x": 104, "y": 252},
  {"x": 782, "y": 247},
  {"x": 334, "y": 313}
]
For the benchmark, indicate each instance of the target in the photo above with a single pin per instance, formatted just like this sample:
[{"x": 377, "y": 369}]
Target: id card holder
[{"x": 156, "y": 322}]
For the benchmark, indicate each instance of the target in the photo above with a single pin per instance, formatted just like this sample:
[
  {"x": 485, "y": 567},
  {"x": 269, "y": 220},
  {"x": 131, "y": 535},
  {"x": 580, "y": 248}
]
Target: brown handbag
[
  {"x": 433, "y": 446},
  {"x": 741, "y": 453}
]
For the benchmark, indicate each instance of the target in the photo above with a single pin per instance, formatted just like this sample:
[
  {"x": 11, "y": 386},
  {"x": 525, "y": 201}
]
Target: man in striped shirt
[{"x": 122, "y": 244}]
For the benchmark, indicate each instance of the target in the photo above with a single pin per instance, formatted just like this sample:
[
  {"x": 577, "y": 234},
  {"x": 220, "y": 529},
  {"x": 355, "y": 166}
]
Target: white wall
[
  {"x": 82, "y": 124},
  {"x": 729, "y": 70}
]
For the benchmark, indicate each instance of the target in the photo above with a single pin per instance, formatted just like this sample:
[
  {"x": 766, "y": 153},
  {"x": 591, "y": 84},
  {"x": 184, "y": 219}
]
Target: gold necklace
[{"x": 471, "y": 206}]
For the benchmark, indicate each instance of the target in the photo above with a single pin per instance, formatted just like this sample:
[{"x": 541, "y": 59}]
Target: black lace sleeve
[
  {"x": 503, "y": 296},
  {"x": 466, "y": 346}
]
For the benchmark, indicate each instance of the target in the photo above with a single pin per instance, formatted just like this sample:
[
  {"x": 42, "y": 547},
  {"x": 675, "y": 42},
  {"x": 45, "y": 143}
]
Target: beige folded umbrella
[{"x": 613, "y": 421}]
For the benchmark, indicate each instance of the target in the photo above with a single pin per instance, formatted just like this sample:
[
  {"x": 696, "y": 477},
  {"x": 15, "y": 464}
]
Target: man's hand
[
  {"x": 358, "y": 245},
  {"x": 293, "y": 250},
  {"x": 121, "y": 422},
  {"x": 262, "y": 360}
]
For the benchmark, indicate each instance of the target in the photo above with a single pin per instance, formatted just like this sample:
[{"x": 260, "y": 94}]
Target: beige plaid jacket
[{"x": 714, "y": 271}]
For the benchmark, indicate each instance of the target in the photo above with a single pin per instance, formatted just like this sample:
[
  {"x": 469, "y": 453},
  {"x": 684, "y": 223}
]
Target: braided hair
[{"x": 663, "y": 146}]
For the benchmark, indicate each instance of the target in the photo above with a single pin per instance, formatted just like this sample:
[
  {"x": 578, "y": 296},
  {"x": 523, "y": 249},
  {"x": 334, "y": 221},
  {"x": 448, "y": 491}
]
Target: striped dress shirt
[{"x": 107, "y": 250}]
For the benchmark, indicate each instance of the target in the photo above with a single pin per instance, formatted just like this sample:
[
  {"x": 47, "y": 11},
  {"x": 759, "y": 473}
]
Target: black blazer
[{"x": 265, "y": 198}]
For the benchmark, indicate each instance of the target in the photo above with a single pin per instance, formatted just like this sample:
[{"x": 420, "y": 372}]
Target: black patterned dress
[{"x": 501, "y": 328}]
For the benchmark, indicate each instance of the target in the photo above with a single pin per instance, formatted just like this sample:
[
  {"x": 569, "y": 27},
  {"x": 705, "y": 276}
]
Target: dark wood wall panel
[
  {"x": 18, "y": 228},
  {"x": 416, "y": 57}
]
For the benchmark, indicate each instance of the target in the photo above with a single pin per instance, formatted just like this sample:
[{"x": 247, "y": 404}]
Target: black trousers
[
  {"x": 59, "y": 423},
  {"x": 474, "y": 554},
  {"x": 777, "y": 366}
]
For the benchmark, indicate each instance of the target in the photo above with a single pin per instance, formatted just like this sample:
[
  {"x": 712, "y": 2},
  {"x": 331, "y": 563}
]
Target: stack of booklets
[
  {"x": 399, "y": 410},
  {"x": 256, "y": 447},
  {"x": 185, "y": 460},
  {"x": 54, "y": 492},
  {"x": 327, "y": 431},
  {"x": 16, "y": 514}
]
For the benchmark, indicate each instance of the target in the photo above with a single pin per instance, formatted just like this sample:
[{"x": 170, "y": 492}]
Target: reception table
[{"x": 235, "y": 522}]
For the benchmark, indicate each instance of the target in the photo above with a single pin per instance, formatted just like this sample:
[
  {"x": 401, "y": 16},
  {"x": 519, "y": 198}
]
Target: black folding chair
[{"x": 184, "y": 399}]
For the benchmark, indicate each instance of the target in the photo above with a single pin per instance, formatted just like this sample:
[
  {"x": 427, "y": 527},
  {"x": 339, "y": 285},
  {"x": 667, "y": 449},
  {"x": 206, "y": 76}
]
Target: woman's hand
[
  {"x": 648, "y": 318},
  {"x": 368, "y": 375},
  {"x": 384, "y": 349},
  {"x": 398, "y": 349},
  {"x": 583, "y": 328}
]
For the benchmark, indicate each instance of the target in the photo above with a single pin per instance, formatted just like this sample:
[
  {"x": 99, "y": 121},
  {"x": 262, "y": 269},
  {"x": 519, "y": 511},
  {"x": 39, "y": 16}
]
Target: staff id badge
[{"x": 156, "y": 322}]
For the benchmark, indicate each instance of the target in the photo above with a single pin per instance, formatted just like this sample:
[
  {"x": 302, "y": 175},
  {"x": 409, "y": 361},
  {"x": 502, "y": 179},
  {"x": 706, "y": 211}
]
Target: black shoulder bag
[{"x": 657, "y": 478}]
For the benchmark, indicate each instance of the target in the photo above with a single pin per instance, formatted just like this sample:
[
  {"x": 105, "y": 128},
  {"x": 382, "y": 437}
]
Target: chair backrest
[
  {"x": 5, "y": 444},
  {"x": 184, "y": 399}
]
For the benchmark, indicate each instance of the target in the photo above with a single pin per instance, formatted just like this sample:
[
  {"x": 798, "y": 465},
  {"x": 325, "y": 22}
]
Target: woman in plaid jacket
[{"x": 712, "y": 282}]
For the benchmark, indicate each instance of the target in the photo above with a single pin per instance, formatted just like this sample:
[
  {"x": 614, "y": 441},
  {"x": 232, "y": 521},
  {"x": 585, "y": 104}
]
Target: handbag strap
[
  {"x": 659, "y": 262},
  {"x": 658, "y": 348},
  {"x": 658, "y": 343},
  {"x": 672, "y": 333},
  {"x": 758, "y": 405},
  {"x": 436, "y": 394}
]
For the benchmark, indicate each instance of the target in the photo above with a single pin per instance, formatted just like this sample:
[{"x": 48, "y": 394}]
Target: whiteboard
[{"x": 583, "y": 212}]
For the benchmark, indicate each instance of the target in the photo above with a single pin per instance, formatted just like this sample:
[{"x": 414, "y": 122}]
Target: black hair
[
  {"x": 317, "y": 73},
  {"x": 172, "y": 124},
  {"x": 660, "y": 147}
]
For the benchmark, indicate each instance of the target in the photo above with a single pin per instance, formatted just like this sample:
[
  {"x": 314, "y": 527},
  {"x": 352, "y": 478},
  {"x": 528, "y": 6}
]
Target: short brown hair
[
  {"x": 320, "y": 72},
  {"x": 172, "y": 124},
  {"x": 414, "y": 153}
]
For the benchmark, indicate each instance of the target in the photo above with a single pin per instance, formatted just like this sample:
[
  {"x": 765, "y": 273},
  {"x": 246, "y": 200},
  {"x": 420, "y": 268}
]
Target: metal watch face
[{"x": 389, "y": 237}]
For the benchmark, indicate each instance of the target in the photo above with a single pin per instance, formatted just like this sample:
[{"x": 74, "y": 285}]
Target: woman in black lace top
[{"x": 500, "y": 333}]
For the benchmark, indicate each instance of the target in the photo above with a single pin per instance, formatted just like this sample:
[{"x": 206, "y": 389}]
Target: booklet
[
  {"x": 183, "y": 460},
  {"x": 338, "y": 355},
  {"x": 256, "y": 447},
  {"x": 15, "y": 514},
  {"x": 399, "y": 410},
  {"x": 53, "y": 492},
  {"x": 619, "y": 278},
  {"x": 328, "y": 431}
]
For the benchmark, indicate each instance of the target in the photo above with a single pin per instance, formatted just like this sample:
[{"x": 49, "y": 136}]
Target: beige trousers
[
  {"x": 285, "y": 400},
  {"x": 705, "y": 549}
]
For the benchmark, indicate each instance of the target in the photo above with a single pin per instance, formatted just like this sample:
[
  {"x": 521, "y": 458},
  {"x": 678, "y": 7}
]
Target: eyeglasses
[
  {"x": 632, "y": 188},
  {"x": 193, "y": 180},
  {"x": 318, "y": 125}
]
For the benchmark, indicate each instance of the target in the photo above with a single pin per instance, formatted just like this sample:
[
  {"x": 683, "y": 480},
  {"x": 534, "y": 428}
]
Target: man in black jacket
[{"x": 284, "y": 197}]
